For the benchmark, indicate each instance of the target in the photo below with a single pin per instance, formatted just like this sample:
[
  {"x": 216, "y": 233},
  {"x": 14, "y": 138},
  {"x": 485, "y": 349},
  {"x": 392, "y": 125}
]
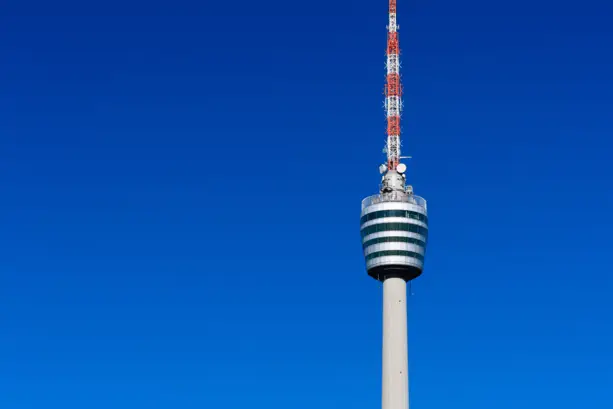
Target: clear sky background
[{"x": 181, "y": 187}]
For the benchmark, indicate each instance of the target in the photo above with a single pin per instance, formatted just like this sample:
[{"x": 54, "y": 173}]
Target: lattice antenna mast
[{"x": 393, "y": 91}]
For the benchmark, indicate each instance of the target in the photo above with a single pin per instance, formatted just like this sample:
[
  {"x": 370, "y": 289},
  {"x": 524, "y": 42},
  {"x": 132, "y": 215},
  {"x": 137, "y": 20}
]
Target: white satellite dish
[{"x": 401, "y": 168}]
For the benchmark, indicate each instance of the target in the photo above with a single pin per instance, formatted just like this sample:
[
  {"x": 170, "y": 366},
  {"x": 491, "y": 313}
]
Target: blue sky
[{"x": 181, "y": 184}]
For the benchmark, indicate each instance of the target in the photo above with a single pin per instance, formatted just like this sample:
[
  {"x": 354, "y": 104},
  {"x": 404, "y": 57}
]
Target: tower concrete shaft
[{"x": 395, "y": 389}]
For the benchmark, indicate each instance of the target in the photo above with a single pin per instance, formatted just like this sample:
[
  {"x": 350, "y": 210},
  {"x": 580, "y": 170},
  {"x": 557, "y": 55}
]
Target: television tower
[{"x": 394, "y": 230}]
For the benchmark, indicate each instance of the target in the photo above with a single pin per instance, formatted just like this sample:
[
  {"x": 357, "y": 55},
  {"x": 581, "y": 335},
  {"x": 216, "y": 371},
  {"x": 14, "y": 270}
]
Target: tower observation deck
[{"x": 394, "y": 230}]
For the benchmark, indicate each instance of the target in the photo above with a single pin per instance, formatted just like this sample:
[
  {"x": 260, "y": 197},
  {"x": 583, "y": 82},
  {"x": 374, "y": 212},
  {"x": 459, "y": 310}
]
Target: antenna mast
[{"x": 393, "y": 91}]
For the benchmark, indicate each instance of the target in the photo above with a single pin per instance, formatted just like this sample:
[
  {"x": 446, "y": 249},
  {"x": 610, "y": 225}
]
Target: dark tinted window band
[
  {"x": 413, "y": 228},
  {"x": 394, "y": 213},
  {"x": 395, "y": 239},
  {"x": 395, "y": 253}
]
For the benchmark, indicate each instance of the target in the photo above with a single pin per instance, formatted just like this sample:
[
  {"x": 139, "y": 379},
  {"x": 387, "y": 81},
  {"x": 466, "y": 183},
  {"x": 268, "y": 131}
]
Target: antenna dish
[
  {"x": 401, "y": 168},
  {"x": 382, "y": 169}
]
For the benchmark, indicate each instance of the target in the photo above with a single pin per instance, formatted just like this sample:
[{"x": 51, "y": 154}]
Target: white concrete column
[{"x": 395, "y": 391}]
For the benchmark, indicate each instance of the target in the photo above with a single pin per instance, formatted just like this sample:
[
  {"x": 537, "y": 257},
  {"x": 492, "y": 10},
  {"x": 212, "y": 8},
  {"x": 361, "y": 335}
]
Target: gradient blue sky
[{"x": 181, "y": 184}]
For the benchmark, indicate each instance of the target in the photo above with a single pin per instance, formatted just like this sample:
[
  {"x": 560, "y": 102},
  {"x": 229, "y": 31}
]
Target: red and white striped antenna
[{"x": 393, "y": 91}]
